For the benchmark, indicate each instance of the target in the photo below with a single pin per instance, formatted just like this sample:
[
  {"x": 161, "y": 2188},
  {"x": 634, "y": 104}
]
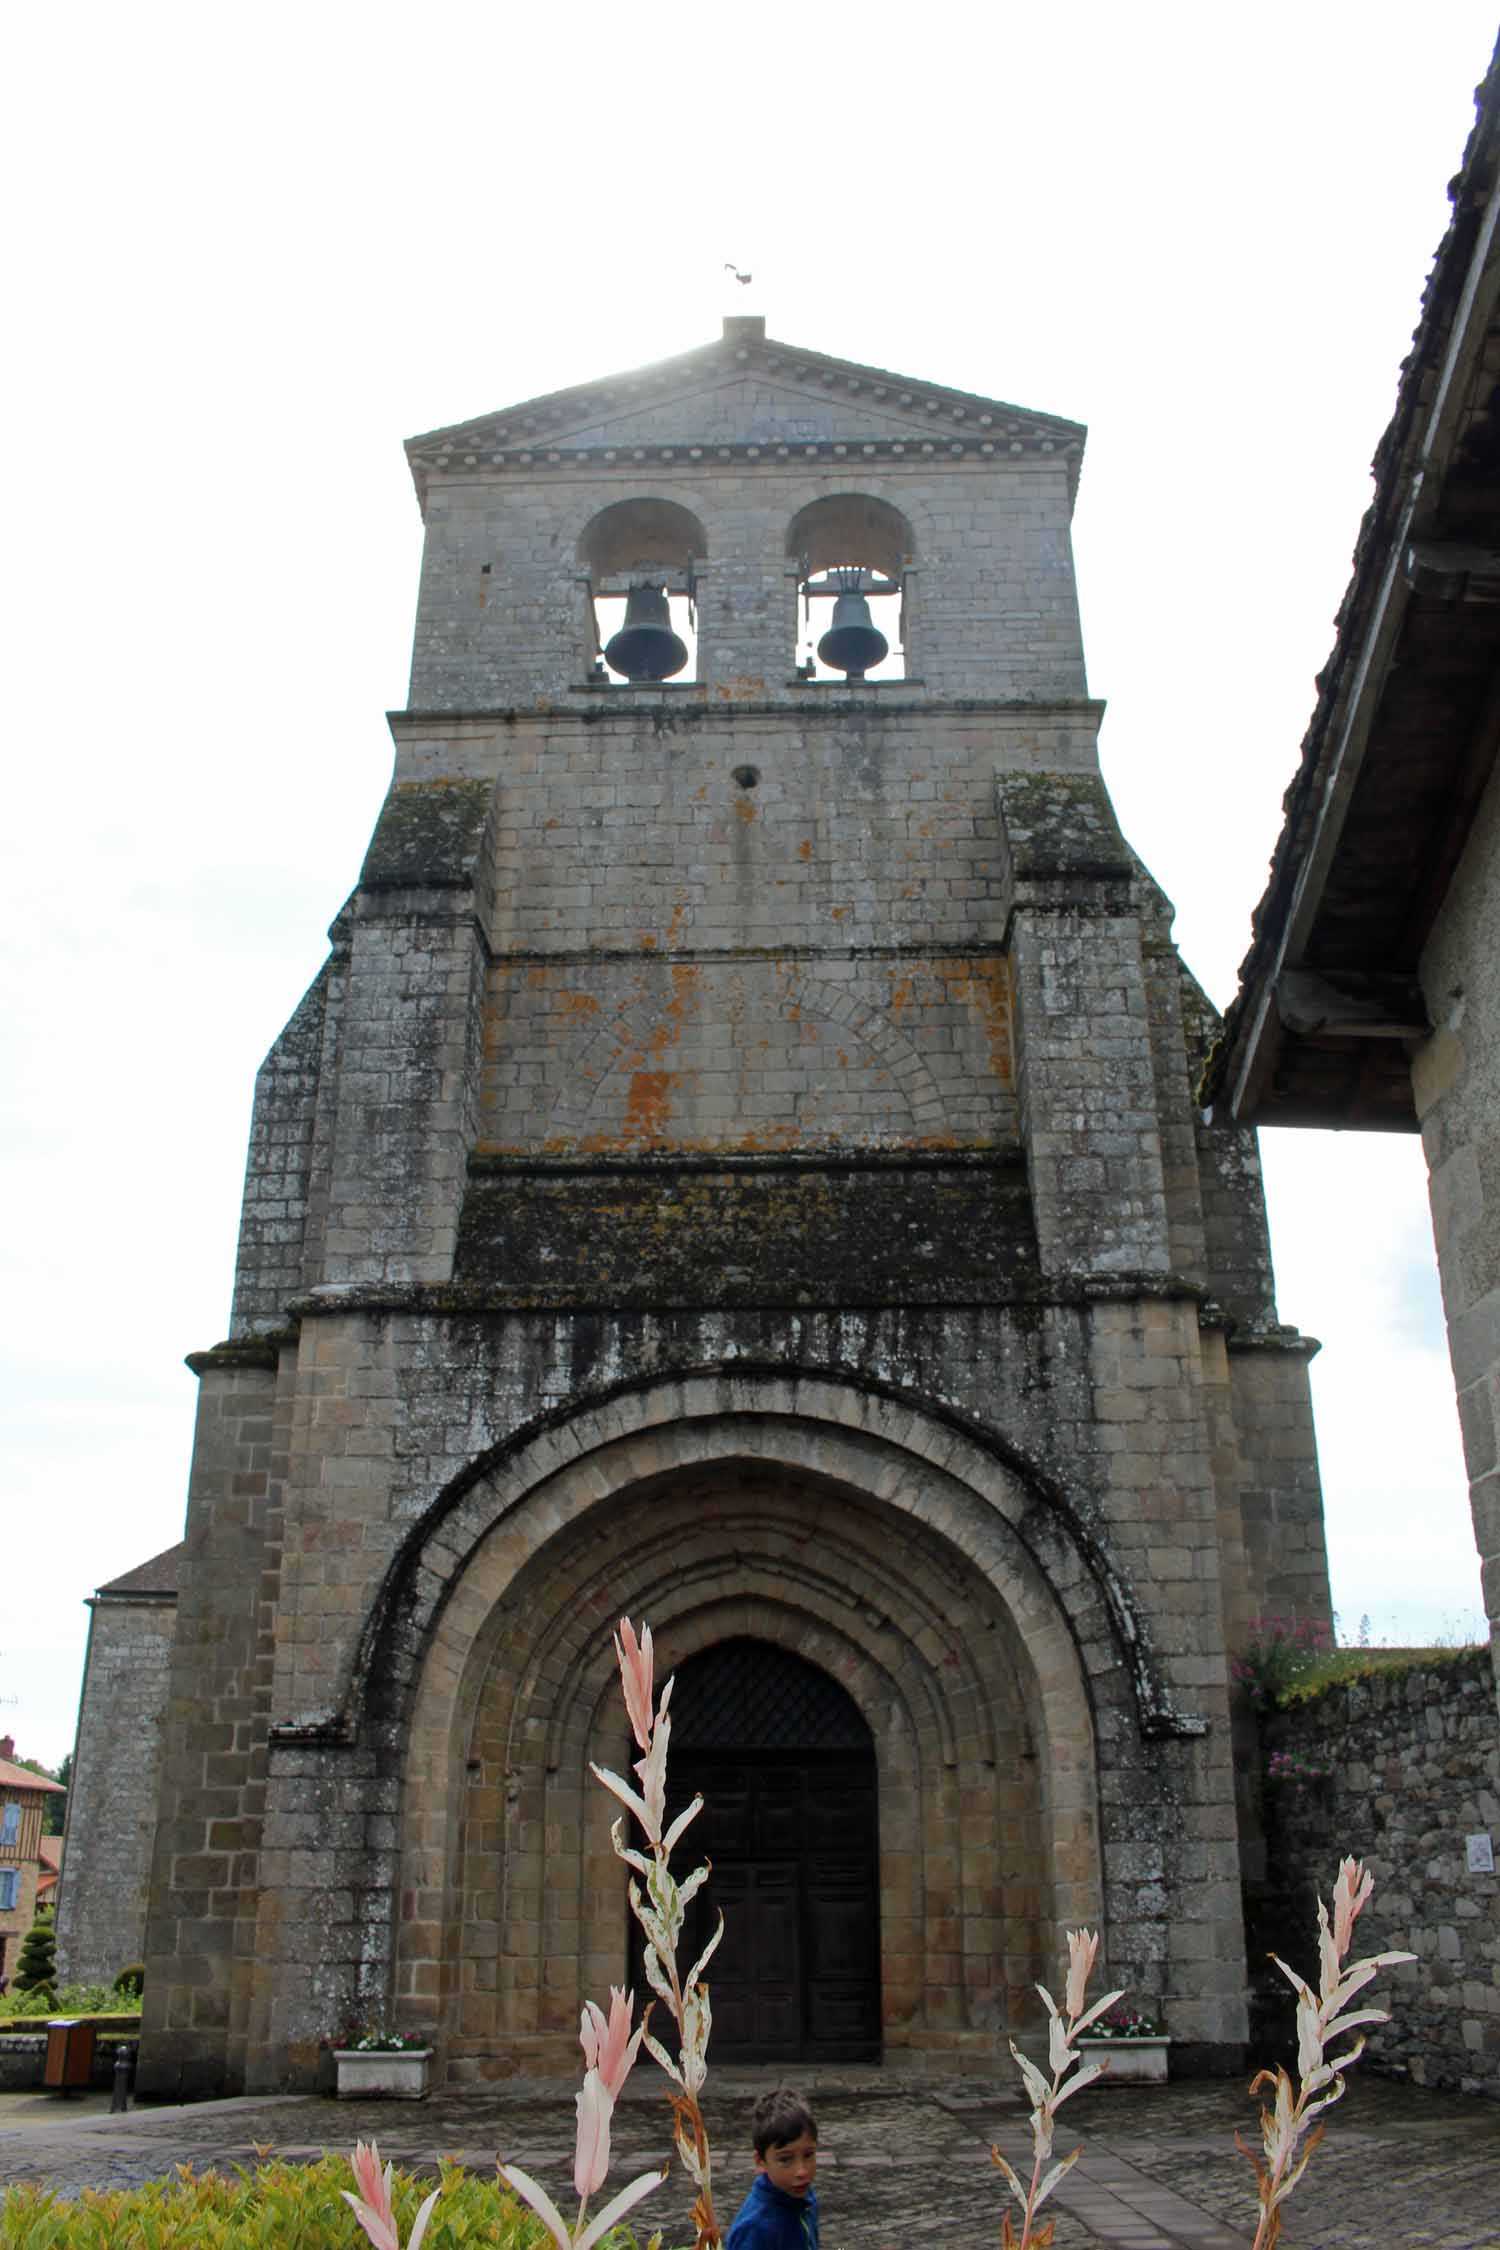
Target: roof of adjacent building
[
  {"x": 1403, "y": 737},
  {"x": 159, "y": 1576},
  {"x": 20, "y": 1778}
]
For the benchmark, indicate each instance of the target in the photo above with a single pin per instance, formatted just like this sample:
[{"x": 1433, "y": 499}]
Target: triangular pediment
[{"x": 745, "y": 391}]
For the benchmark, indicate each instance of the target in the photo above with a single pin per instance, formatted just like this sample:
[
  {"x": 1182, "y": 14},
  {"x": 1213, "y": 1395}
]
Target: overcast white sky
[{"x": 253, "y": 250}]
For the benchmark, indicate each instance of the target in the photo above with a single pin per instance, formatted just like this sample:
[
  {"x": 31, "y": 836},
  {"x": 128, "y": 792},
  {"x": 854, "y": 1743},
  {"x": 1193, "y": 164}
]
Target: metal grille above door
[{"x": 748, "y": 1695}]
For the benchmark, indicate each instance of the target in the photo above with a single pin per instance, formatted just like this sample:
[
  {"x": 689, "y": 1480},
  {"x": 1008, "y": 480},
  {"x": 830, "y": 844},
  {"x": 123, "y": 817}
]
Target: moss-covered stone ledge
[{"x": 242, "y": 1352}]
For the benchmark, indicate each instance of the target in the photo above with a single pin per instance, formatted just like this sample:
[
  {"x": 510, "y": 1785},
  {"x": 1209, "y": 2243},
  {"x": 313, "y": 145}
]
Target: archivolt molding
[
  {"x": 1006, "y": 1519},
  {"x": 918, "y": 1637},
  {"x": 851, "y": 1587}
]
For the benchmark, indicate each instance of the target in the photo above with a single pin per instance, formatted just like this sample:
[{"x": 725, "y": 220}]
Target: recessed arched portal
[
  {"x": 785, "y": 1763},
  {"x": 894, "y": 1560}
]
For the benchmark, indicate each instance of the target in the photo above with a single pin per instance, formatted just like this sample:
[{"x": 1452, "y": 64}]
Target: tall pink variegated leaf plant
[
  {"x": 371, "y": 2204},
  {"x": 1287, "y": 2143},
  {"x": 1047, "y": 2095},
  {"x": 659, "y": 1903},
  {"x": 610, "y": 2047}
]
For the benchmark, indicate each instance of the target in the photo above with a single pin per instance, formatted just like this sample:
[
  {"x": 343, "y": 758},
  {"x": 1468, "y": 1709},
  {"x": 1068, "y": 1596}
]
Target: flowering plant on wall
[
  {"x": 1294, "y": 1767},
  {"x": 1279, "y": 1653}
]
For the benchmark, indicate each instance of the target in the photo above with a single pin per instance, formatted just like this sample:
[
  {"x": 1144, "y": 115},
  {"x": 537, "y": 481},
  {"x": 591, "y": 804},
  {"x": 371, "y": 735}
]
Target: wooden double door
[{"x": 791, "y": 1835}]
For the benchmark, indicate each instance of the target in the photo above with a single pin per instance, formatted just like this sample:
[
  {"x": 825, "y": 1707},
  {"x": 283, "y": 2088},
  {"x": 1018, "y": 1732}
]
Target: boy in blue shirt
[{"x": 781, "y": 2210}]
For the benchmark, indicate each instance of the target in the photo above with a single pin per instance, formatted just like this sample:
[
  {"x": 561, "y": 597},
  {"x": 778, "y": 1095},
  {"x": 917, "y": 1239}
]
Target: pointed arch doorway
[{"x": 785, "y": 1764}]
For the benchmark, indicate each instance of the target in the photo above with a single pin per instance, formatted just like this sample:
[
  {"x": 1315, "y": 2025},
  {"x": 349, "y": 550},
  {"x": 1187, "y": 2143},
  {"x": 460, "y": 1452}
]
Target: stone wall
[
  {"x": 1412, "y": 1764},
  {"x": 101, "y": 1909},
  {"x": 23, "y": 2060},
  {"x": 1456, "y": 1081}
]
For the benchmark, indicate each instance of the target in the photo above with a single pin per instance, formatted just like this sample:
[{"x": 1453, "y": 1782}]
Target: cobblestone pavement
[{"x": 899, "y": 2164}]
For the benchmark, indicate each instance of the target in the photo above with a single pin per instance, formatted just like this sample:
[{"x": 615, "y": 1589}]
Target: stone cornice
[
  {"x": 480, "y": 459},
  {"x": 465, "y": 1300},
  {"x": 698, "y": 704}
]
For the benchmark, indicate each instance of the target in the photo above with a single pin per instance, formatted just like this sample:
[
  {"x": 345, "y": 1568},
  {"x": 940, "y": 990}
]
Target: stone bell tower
[{"x": 738, "y": 1166}]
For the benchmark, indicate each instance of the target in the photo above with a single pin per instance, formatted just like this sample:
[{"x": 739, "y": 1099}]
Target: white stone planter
[
  {"x": 1132, "y": 2062},
  {"x": 367, "y": 2073}
]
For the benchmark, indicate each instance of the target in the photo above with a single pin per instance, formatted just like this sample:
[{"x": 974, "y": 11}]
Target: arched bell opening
[
  {"x": 852, "y": 554},
  {"x": 785, "y": 1764},
  {"x": 638, "y": 566}
]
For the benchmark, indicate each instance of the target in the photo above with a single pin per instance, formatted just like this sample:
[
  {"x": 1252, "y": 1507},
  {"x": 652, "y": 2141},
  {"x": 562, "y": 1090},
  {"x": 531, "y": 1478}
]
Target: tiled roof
[
  {"x": 158, "y": 1576},
  {"x": 22, "y": 1777}
]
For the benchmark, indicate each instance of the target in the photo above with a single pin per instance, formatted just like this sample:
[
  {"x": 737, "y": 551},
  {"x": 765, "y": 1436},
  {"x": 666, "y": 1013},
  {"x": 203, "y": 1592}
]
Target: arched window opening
[
  {"x": 638, "y": 566},
  {"x": 852, "y": 553}
]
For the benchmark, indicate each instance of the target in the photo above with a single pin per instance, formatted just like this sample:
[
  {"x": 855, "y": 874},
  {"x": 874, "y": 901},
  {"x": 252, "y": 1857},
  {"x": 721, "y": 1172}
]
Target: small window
[
  {"x": 10, "y": 1824},
  {"x": 9, "y": 1886}
]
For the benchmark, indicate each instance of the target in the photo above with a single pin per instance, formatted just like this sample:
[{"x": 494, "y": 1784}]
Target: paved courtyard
[{"x": 899, "y": 2164}]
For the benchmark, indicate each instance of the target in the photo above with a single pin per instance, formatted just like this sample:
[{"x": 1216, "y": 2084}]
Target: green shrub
[
  {"x": 279, "y": 2207},
  {"x": 21, "y": 2007},
  {"x": 132, "y": 1979},
  {"x": 36, "y": 1967},
  {"x": 70, "y": 2000}
]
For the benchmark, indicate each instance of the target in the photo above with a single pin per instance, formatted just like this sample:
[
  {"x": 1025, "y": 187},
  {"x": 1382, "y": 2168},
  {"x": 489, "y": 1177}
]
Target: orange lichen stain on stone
[
  {"x": 985, "y": 987},
  {"x": 839, "y": 912},
  {"x": 903, "y": 992},
  {"x": 576, "y": 1004},
  {"x": 648, "y": 1104},
  {"x": 804, "y": 849},
  {"x": 745, "y": 810}
]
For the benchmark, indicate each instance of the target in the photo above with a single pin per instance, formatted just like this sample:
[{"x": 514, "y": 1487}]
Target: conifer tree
[{"x": 37, "y": 1965}]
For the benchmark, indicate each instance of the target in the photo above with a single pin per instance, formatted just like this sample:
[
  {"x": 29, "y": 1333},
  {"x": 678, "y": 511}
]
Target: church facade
[{"x": 738, "y": 1167}]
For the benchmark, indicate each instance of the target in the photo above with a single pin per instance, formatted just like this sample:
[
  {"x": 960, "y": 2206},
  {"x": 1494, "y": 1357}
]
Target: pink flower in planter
[
  {"x": 372, "y": 2205},
  {"x": 591, "y": 2154},
  {"x": 609, "y": 2046},
  {"x": 635, "y": 1678},
  {"x": 609, "y": 2050}
]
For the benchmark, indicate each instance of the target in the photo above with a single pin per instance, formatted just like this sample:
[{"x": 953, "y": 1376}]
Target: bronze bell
[
  {"x": 852, "y": 642},
  {"x": 645, "y": 647}
]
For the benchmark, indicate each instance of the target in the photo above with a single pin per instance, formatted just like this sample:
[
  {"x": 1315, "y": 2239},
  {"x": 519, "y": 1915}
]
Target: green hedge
[{"x": 278, "y": 2207}]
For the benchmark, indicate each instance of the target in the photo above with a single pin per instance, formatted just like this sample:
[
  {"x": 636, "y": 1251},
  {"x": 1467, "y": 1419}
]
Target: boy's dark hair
[{"x": 778, "y": 2117}]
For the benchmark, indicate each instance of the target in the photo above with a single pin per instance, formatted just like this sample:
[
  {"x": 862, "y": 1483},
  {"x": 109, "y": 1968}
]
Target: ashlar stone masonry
[{"x": 738, "y": 1166}]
